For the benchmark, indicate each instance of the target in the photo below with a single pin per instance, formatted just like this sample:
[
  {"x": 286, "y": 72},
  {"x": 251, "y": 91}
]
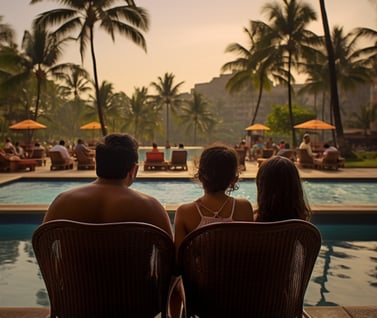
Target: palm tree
[
  {"x": 363, "y": 119},
  {"x": 129, "y": 20},
  {"x": 167, "y": 95},
  {"x": 75, "y": 86},
  {"x": 289, "y": 40},
  {"x": 141, "y": 115},
  {"x": 41, "y": 51},
  {"x": 353, "y": 67},
  {"x": 109, "y": 101},
  {"x": 250, "y": 69},
  {"x": 6, "y": 34},
  {"x": 75, "y": 82},
  {"x": 196, "y": 116}
]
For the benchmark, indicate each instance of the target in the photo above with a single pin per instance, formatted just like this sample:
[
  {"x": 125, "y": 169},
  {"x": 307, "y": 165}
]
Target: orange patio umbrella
[
  {"x": 315, "y": 124},
  {"x": 94, "y": 125},
  {"x": 27, "y": 124},
  {"x": 257, "y": 127}
]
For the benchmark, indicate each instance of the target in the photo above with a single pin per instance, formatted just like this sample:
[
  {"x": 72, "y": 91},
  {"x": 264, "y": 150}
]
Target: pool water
[
  {"x": 175, "y": 191},
  {"x": 345, "y": 273}
]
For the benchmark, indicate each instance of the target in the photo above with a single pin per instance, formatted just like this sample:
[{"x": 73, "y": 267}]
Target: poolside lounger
[
  {"x": 244, "y": 269},
  {"x": 331, "y": 161},
  {"x": 178, "y": 160},
  {"x": 85, "y": 161},
  {"x": 58, "y": 162},
  {"x": 155, "y": 161},
  {"x": 105, "y": 270},
  {"x": 303, "y": 158},
  {"x": 10, "y": 163},
  {"x": 39, "y": 155}
]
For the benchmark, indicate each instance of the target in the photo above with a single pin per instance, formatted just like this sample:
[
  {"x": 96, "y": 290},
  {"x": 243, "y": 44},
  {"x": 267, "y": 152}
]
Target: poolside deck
[{"x": 251, "y": 170}]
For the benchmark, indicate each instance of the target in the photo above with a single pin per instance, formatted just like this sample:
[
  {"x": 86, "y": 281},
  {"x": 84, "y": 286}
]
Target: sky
[{"x": 186, "y": 38}]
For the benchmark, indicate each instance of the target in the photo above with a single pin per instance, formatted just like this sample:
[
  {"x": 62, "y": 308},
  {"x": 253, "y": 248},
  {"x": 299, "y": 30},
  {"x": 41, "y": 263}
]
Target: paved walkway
[{"x": 251, "y": 171}]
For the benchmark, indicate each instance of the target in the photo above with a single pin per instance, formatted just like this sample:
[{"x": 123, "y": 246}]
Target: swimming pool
[
  {"x": 345, "y": 273},
  {"x": 175, "y": 191}
]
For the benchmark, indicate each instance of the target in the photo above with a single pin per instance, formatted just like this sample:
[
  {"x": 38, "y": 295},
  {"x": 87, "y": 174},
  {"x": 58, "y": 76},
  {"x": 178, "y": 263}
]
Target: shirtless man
[{"x": 109, "y": 198}]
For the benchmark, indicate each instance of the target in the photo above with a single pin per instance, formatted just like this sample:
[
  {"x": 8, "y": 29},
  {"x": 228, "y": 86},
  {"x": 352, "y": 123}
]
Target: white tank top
[{"x": 204, "y": 220}]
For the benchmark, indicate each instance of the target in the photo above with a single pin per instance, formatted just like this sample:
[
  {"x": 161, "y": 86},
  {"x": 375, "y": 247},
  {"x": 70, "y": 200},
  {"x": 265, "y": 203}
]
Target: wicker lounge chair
[
  {"x": 85, "y": 161},
  {"x": 331, "y": 161},
  {"x": 11, "y": 163},
  {"x": 105, "y": 270},
  {"x": 303, "y": 158},
  {"x": 155, "y": 161},
  {"x": 243, "y": 269},
  {"x": 58, "y": 162},
  {"x": 39, "y": 155},
  {"x": 178, "y": 160}
]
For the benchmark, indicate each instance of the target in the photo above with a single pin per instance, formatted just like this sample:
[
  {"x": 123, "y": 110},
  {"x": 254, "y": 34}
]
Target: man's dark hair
[{"x": 116, "y": 156}]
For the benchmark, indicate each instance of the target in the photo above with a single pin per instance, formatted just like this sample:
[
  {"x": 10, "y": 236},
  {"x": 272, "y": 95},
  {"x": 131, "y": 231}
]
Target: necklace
[{"x": 215, "y": 213}]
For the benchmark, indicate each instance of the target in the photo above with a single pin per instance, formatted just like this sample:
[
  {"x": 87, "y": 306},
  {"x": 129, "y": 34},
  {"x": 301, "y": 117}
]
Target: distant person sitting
[
  {"x": 328, "y": 149},
  {"x": 181, "y": 147},
  {"x": 306, "y": 144},
  {"x": 286, "y": 152},
  {"x": 20, "y": 152},
  {"x": 109, "y": 198},
  {"x": 280, "y": 194},
  {"x": 82, "y": 150},
  {"x": 154, "y": 147},
  {"x": 39, "y": 153},
  {"x": 62, "y": 149},
  {"x": 282, "y": 144},
  {"x": 9, "y": 148}
]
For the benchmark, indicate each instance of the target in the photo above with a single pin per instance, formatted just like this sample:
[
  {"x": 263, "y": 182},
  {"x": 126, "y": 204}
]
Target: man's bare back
[{"x": 109, "y": 200}]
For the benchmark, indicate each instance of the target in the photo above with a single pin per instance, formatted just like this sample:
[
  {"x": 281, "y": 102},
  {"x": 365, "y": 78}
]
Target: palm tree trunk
[
  {"x": 39, "y": 87},
  {"x": 96, "y": 84},
  {"x": 167, "y": 126},
  {"x": 334, "y": 99},
  {"x": 294, "y": 141},
  {"x": 261, "y": 82}
]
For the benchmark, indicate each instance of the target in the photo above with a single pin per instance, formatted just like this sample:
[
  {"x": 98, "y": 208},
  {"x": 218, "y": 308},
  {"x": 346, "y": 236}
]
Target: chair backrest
[
  {"x": 267, "y": 153},
  {"x": 331, "y": 157},
  {"x": 154, "y": 156},
  {"x": 304, "y": 157},
  {"x": 179, "y": 157},
  {"x": 56, "y": 157},
  {"x": 244, "y": 269},
  {"x": 38, "y": 153},
  {"x": 83, "y": 158},
  {"x": 104, "y": 270}
]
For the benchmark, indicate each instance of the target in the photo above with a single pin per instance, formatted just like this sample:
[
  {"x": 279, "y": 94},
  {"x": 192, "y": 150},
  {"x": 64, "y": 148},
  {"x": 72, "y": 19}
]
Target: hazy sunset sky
[{"x": 186, "y": 38}]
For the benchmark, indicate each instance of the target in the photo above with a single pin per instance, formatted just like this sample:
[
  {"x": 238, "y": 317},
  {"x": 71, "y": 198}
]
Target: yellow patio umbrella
[
  {"x": 315, "y": 124},
  {"x": 94, "y": 125},
  {"x": 257, "y": 127},
  {"x": 28, "y": 125}
]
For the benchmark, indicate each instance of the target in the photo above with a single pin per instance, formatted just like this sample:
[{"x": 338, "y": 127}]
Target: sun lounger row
[{"x": 156, "y": 161}]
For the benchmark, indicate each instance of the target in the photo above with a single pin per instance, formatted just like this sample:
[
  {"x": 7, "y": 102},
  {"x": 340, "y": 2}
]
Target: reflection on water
[{"x": 345, "y": 272}]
